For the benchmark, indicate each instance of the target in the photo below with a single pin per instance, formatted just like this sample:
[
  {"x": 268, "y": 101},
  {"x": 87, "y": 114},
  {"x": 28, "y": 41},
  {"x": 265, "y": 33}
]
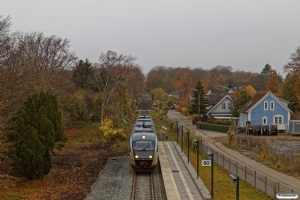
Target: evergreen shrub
[{"x": 33, "y": 132}]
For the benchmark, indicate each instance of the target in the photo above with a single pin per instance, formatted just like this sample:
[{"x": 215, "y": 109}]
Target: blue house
[{"x": 265, "y": 108}]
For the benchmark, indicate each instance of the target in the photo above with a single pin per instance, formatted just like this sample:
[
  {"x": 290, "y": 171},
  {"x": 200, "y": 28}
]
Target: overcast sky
[{"x": 245, "y": 35}]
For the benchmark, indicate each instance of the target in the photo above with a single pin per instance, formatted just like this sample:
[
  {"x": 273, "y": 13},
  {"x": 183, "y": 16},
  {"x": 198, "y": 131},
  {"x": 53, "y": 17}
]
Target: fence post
[
  {"x": 278, "y": 188},
  {"x": 266, "y": 183},
  {"x": 237, "y": 169},
  {"x": 223, "y": 160},
  {"x": 254, "y": 179},
  {"x": 217, "y": 157}
]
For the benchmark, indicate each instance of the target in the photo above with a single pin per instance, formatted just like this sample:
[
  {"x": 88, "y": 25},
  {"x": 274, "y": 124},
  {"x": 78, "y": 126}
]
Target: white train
[{"x": 143, "y": 149}]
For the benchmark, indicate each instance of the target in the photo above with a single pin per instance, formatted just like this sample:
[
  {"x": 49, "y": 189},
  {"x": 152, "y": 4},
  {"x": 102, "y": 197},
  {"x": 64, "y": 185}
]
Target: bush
[
  {"x": 226, "y": 122},
  {"x": 184, "y": 111},
  {"x": 34, "y": 131},
  {"x": 110, "y": 133}
]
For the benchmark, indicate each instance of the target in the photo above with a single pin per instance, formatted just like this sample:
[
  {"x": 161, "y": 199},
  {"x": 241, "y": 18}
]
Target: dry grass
[
  {"x": 224, "y": 188},
  {"x": 75, "y": 168}
]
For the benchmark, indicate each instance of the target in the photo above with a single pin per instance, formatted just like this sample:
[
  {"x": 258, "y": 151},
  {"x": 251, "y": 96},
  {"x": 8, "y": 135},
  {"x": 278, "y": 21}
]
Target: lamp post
[
  {"x": 188, "y": 135},
  {"x": 177, "y": 132},
  {"x": 181, "y": 139},
  {"x": 196, "y": 146},
  {"x": 212, "y": 174},
  {"x": 235, "y": 179}
]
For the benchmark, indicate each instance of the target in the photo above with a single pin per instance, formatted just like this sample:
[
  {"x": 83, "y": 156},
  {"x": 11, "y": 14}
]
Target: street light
[
  {"x": 196, "y": 146},
  {"x": 236, "y": 181},
  {"x": 212, "y": 173},
  {"x": 188, "y": 135}
]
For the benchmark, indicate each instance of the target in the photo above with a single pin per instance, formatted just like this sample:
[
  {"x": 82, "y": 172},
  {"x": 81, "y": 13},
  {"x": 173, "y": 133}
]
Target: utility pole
[
  {"x": 199, "y": 107},
  {"x": 198, "y": 104}
]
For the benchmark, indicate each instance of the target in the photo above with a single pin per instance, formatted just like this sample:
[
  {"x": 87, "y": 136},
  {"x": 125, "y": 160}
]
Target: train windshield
[{"x": 143, "y": 145}]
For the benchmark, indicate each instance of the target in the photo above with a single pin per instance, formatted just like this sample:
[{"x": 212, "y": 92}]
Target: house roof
[
  {"x": 174, "y": 92},
  {"x": 257, "y": 98},
  {"x": 213, "y": 99}
]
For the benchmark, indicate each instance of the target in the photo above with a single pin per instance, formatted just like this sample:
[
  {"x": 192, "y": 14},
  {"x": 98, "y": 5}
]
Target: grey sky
[{"x": 242, "y": 34}]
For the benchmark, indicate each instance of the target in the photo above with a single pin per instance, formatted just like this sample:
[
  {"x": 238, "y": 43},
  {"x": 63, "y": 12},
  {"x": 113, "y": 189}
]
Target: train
[{"x": 143, "y": 145}]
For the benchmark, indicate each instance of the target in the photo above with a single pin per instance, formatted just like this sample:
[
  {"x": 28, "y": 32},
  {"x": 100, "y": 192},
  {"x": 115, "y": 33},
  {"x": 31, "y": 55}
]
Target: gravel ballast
[{"x": 115, "y": 181}]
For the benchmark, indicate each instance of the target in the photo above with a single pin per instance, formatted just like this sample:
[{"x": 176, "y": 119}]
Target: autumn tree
[
  {"x": 158, "y": 93},
  {"x": 135, "y": 84},
  {"x": 75, "y": 108},
  {"x": 240, "y": 98},
  {"x": 198, "y": 99},
  {"x": 250, "y": 90},
  {"x": 34, "y": 132},
  {"x": 216, "y": 73},
  {"x": 289, "y": 91},
  {"x": 111, "y": 78},
  {"x": 220, "y": 84},
  {"x": 273, "y": 83}
]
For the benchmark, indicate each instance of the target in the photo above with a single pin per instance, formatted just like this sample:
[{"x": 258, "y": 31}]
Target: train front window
[{"x": 143, "y": 145}]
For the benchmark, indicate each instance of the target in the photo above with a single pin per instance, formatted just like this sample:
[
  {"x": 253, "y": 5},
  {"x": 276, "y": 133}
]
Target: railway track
[
  {"x": 144, "y": 108},
  {"x": 143, "y": 188}
]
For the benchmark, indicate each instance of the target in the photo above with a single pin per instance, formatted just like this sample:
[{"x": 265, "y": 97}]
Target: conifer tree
[
  {"x": 194, "y": 108},
  {"x": 34, "y": 131}
]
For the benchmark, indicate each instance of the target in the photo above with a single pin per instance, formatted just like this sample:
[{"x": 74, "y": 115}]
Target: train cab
[{"x": 143, "y": 151}]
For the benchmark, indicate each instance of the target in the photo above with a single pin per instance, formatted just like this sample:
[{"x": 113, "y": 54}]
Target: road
[{"x": 209, "y": 139}]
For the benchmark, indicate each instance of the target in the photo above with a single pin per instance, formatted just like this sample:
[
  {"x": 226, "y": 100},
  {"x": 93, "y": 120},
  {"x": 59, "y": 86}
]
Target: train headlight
[
  {"x": 136, "y": 156},
  {"x": 150, "y": 156}
]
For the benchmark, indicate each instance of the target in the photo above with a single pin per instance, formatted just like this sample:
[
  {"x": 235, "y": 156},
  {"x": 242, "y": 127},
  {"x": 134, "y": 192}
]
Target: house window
[
  {"x": 265, "y": 105},
  {"x": 278, "y": 119},
  {"x": 229, "y": 105},
  {"x": 272, "y": 105},
  {"x": 223, "y": 105},
  {"x": 264, "y": 121}
]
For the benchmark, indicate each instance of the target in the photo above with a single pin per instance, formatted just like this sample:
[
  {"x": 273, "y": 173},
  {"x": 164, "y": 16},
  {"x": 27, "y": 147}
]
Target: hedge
[{"x": 218, "y": 128}]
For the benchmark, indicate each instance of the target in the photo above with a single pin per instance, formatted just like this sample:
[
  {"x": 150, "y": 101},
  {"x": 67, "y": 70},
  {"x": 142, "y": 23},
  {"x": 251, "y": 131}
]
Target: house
[
  {"x": 222, "y": 109},
  {"x": 264, "y": 108},
  {"x": 213, "y": 99}
]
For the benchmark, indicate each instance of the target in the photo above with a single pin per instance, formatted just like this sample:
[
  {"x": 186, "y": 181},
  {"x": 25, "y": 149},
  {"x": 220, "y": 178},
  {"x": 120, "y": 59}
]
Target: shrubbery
[
  {"x": 110, "y": 132},
  {"x": 184, "y": 111}
]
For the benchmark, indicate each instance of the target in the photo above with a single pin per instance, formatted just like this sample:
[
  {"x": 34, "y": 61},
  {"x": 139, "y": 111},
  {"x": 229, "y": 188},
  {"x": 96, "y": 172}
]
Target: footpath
[{"x": 208, "y": 139}]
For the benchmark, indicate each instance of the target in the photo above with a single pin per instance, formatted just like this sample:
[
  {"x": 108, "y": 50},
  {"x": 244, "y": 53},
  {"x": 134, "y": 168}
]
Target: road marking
[{"x": 181, "y": 175}]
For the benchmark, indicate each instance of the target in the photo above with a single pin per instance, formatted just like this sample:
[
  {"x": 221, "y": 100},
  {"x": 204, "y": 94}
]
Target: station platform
[{"x": 180, "y": 178}]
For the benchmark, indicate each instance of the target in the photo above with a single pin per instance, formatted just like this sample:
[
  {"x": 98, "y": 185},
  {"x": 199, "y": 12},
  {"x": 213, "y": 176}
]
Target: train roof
[
  {"x": 142, "y": 129},
  {"x": 144, "y": 116}
]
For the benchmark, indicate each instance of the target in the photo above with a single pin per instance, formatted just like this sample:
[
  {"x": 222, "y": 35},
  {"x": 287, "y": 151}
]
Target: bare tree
[
  {"x": 294, "y": 63},
  {"x": 33, "y": 64},
  {"x": 113, "y": 72}
]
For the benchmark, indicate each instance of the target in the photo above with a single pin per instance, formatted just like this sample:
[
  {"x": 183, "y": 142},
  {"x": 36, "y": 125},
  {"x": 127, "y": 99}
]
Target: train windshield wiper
[{"x": 146, "y": 147}]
